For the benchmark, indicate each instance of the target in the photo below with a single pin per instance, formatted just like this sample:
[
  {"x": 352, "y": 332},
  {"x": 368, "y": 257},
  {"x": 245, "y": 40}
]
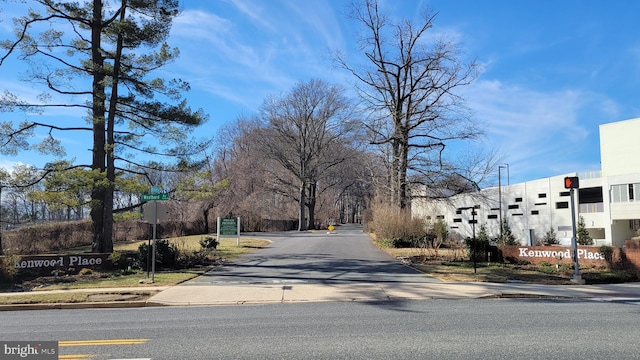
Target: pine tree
[
  {"x": 550, "y": 237},
  {"x": 106, "y": 68},
  {"x": 507, "y": 238},
  {"x": 582, "y": 234}
]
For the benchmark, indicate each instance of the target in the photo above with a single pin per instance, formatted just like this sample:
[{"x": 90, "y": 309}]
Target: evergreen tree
[
  {"x": 109, "y": 56},
  {"x": 550, "y": 237},
  {"x": 582, "y": 234},
  {"x": 507, "y": 238}
]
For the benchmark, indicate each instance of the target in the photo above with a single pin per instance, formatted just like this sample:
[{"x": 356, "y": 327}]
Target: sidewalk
[{"x": 191, "y": 294}]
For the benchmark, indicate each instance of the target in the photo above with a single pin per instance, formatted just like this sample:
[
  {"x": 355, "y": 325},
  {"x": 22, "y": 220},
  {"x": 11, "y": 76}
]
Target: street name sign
[{"x": 151, "y": 197}]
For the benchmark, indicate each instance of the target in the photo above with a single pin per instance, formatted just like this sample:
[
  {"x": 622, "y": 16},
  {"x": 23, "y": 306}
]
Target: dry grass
[
  {"x": 73, "y": 297},
  {"x": 448, "y": 267},
  {"x": 496, "y": 273}
]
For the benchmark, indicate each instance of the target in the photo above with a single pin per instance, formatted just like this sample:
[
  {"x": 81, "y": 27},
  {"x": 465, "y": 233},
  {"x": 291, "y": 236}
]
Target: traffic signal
[{"x": 571, "y": 182}]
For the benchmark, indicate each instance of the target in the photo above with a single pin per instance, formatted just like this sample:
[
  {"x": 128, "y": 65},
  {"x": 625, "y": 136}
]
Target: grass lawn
[
  {"x": 228, "y": 247},
  {"x": 227, "y": 250},
  {"x": 73, "y": 297}
]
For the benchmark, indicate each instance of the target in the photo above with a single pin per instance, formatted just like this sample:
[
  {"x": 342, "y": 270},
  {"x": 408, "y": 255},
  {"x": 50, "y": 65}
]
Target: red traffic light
[{"x": 571, "y": 182}]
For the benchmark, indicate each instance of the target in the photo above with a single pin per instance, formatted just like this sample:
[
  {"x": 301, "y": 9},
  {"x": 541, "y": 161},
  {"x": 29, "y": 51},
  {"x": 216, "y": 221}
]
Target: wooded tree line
[{"x": 312, "y": 153}]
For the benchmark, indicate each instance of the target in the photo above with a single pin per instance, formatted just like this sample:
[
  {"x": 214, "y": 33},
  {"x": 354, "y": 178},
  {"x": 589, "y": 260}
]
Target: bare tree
[
  {"x": 301, "y": 128},
  {"x": 408, "y": 83}
]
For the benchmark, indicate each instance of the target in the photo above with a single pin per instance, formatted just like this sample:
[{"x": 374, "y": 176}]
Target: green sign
[
  {"x": 149, "y": 197},
  {"x": 228, "y": 227}
]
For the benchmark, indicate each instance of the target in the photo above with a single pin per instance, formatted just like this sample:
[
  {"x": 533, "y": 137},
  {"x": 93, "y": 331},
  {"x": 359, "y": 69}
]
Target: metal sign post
[
  {"x": 152, "y": 214},
  {"x": 572, "y": 183}
]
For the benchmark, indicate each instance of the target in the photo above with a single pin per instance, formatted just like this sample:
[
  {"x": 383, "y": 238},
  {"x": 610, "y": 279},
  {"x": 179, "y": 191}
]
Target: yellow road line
[
  {"x": 76, "y": 357},
  {"x": 102, "y": 342}
]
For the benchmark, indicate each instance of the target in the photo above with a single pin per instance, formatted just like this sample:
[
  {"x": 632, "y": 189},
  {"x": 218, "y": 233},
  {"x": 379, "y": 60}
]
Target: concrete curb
[{"x": 82, "y": 305}]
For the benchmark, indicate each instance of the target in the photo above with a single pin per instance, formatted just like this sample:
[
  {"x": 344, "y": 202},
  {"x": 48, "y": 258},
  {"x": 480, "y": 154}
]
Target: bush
[
  {"x": 47, "y": 238},
  {"x": 209, "y": 243},
  {"x": 396, "y": 228},
  {"x": 607, "y": 251},
  {"x": 481, "y": 247},
  {"x": 7, "y": 267},
  {"x": 166, "y": 255}
]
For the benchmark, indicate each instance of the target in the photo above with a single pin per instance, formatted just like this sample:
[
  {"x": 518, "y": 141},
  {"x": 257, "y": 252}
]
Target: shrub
[
  {"x": 7, "y": 267},
  {"x": 607, "y": 251},
  {"x": 480, "y": 248},
  {"x": 166, "y": 254},
  {"x": 47, "y": 238},
  {"x": 209, "y": 243},
  {"x": 395, "y": 227}
]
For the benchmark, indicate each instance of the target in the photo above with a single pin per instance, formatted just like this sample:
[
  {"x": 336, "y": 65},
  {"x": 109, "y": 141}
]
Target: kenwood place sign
[
  {"x": 588, "y": 254},
  {"x": 554, "y": 254},
  {"x": 42, "y": 262}
]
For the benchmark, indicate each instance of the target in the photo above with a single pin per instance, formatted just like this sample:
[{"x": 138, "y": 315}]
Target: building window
[
  {"x": 535, "y": 212},
  {"x": 542, "y": 196},
  {"x": 457, "y": 220},
  {"x": 440, "y": 217},
  {"x": 562, "y": 205},
  {"x": 630, "y": 192},
  {"x": 495, "y": 209},
  {"x": 565, "y": 228},
  {"x": 540, "y": 204},
  {"x": 518, "y": 199},
  {"x": 511, "y": 207},
  {"x": 458, "y": 212},
  {"x": 518, "y": 214},
  {"x": 565, "y": 193},
  {"x": 492, "y": 217},
  {"x": 619, "y": 193}
]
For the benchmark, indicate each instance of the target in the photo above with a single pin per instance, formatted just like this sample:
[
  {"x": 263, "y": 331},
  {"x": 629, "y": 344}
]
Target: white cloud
[
  {"x": 537, "y": 130},
  {"x": 9, "y": 165}
]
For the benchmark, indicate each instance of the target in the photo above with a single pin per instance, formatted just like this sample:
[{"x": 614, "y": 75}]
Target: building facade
[{"x": 608, "y": 200}]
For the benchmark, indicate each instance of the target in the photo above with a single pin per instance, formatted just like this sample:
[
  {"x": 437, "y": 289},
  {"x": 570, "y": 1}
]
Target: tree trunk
[
  {"x": 312, "y": 205},
  {"x": 205, "y": 215},
  {"x": 1, "y": 220},
  {"x": 98, "y": 110},
  {"x": 107, "y": 245},
  {"x": 302, "y": 205},
  {"x": 402, "y": 172}
]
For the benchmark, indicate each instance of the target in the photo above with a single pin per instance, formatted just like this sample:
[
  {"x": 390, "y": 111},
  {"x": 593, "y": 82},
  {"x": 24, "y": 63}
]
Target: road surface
[
  {"x": 347, "y": 255},
  {"x": 433, "y": 329}
]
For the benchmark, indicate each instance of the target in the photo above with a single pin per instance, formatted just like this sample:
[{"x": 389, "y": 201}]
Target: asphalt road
[
  {"x": 347, "y": 255},
  {"x": 434, "y": 329}
]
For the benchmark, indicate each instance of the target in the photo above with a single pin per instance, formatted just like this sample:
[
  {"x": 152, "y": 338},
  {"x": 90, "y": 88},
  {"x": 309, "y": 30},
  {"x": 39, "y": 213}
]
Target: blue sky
[{"x": 552, "y": 71}]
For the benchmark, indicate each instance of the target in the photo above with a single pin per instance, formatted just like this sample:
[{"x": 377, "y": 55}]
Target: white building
[{"x": 608, "y": 201}]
